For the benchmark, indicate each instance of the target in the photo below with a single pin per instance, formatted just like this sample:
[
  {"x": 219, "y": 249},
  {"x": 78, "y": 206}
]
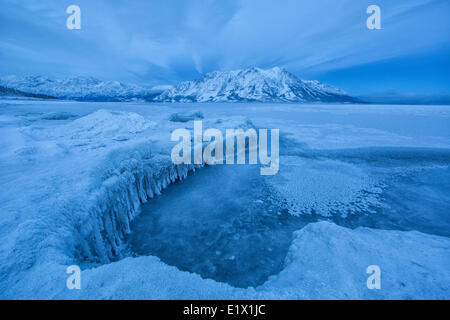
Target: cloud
[{"x": 145, "y": 41}]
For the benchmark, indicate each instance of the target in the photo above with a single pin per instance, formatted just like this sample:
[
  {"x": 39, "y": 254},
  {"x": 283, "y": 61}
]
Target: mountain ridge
[
  {"x": 79, "y": 88},
  {"x": 244, "y": 85},
  {"x": 253, "y": 85}
]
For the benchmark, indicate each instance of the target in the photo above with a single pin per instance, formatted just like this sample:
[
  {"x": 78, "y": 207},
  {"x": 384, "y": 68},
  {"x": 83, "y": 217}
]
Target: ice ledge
[{"x": 114, "y": 205}]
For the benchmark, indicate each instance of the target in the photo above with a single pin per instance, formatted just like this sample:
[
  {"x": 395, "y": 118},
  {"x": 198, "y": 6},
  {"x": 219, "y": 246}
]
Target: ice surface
[
  {"x": 326, "y": 187},
  {"x": 183, "y": 117},
  {"x": 70, "y": 188},
  {"x": 325, "y": 261},
  {"x": 413, "y": 198}
]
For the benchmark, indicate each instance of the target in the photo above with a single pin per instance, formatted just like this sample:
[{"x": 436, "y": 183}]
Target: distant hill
[{"x": 5, "y": 91}]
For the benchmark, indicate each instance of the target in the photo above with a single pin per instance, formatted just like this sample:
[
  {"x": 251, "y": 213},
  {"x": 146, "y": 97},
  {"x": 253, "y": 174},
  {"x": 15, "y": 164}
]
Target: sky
[{"x": 163, "y": 42}]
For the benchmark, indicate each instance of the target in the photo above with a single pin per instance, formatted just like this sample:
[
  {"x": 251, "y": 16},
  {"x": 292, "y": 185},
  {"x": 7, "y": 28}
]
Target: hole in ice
[{"x": 220, "y": 223}]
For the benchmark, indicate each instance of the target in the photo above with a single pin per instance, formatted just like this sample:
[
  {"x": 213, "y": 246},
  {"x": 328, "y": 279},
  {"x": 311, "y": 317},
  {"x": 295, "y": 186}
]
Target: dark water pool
[{"x": 220, "y": 223}]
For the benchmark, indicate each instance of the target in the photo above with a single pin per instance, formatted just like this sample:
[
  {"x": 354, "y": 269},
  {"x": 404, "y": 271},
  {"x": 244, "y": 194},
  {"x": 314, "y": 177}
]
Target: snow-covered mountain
[
  {"x": 79, "y": 88},
  {"x": 248, "y": 85},
  {"x": 254, "y": 84}
]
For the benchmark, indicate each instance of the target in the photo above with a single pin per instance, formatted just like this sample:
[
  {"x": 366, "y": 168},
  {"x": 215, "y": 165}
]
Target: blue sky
[{"x": 163, "y": 42}]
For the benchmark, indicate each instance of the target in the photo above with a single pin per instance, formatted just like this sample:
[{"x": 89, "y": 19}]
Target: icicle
[{"x": 118, "y": 202}]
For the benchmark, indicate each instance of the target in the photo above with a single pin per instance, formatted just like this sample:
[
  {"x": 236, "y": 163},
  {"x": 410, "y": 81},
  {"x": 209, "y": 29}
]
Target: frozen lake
[{"x": 72, "y": 186}]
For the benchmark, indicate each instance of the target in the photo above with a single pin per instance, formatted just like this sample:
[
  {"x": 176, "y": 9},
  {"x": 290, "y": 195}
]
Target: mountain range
[
  {"x": 79, "y": 88},
  {"x": 247, "y": 85}
]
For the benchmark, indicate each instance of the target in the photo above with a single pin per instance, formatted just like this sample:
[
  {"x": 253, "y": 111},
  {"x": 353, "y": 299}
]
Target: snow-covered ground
[{"x": 371, "y": 181}]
